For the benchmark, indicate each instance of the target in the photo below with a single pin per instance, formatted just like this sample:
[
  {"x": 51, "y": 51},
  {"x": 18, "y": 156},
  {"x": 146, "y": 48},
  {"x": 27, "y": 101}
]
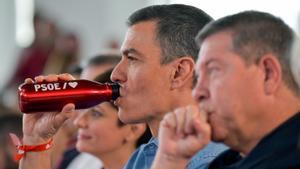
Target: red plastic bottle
[{"x": 52, "y": 96}]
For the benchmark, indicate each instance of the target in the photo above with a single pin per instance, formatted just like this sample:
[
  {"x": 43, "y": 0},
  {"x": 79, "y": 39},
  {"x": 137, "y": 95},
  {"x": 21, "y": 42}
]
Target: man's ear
[
  {"x": 272, "y": 73},
  {"x": 182, "y": 73},
  {"x": 136, "y": 131}
]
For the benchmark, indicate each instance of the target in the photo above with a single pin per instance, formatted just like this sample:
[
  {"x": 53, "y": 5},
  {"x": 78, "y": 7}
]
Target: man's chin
[
  {"x": 129, "y": 120},
  {"x": 217, "y": 139},
  {"x": 131, "y": 117},
  {"x": 124, "y": 118}
]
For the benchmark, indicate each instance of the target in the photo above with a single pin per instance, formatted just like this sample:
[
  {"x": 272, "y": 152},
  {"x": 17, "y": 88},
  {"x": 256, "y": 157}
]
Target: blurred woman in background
[{"x": 103, "y": 135}]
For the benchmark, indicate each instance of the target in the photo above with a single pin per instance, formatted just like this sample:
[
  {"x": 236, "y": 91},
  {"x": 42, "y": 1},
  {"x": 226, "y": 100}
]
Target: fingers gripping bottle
[{"x": 52, "y": 96}]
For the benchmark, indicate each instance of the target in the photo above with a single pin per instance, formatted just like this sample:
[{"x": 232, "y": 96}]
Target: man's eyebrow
[
  {"x": 206, "y": 63},
  {"x": 211, "y": 61},
  {"x": 131, "y": 50}
]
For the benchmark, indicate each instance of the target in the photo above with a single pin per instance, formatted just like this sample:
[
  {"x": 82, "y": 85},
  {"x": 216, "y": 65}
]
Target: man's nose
[
  {"x": 119, "y": 72},
  {"x": 200, "y": 91}
]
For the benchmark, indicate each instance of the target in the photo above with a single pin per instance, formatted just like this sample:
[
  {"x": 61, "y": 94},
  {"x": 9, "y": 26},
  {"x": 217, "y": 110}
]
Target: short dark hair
[
  {"x": 76, "y": 69},
  {"x": 177, "y": 26},
  {"x": 255, "y": 34}
]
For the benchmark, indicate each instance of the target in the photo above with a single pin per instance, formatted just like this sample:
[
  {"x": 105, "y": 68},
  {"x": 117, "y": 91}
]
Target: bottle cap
[{"x": 115, "y": 91}]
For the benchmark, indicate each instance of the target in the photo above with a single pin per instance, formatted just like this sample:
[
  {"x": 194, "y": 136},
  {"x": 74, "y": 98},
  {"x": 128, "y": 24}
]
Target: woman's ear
[
  {"x": 183, "y": 71},
  {"x": 272, "y": 73},
  {"x": 136, "y": 131}
]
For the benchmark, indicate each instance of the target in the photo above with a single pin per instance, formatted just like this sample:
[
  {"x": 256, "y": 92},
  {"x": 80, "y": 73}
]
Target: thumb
[
  {"x": 68, "y": 110},
  {"x": 203, "y": 131},
  {"x": 66, "y": 113}
]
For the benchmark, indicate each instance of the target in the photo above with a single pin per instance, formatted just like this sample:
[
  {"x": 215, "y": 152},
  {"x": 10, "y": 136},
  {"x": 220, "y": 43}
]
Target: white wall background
[
  {"x": 288, "y": 10},
  {"x": 8, "y": 48},
  {"x": 96, "y": 21}
]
